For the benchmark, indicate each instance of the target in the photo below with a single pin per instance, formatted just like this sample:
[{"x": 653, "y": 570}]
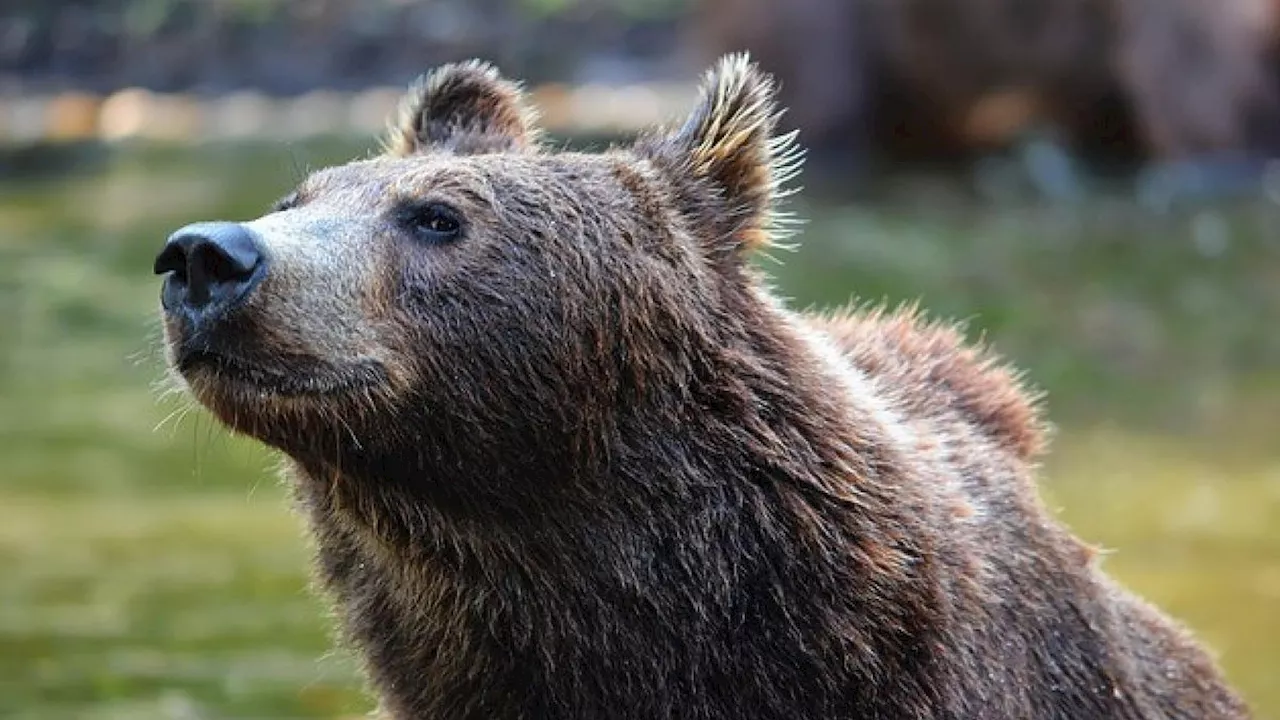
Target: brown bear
[
  {"x": 1115, "y": 80},
  {"x": 565, "y": 454}
]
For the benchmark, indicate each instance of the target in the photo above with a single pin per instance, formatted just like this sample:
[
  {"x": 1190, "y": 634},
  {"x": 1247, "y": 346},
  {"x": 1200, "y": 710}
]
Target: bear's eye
[{"x": 432, "y": 222}]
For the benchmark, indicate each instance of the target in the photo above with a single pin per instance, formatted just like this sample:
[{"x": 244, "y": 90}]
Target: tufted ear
[
  {"x": 726, "y": 161},
  {"x": 466, "y": 108}
]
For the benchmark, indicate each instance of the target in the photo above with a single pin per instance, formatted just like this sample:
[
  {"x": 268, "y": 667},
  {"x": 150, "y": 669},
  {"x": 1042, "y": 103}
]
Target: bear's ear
[
  {"x": 725, "y": 161},
  {"x": 466, "y": 108}
]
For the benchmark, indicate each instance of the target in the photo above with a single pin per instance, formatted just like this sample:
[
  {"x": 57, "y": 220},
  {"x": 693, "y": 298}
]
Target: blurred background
[{"x": 1088, "y": 183}]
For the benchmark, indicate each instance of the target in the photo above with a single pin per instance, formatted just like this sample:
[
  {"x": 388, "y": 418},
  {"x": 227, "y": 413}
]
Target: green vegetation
[{"x": 157, "y": 573}]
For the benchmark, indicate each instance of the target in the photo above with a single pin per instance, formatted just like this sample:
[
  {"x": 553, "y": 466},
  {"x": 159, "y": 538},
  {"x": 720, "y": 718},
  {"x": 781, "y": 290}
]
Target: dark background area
[{"x": 212, "y": 46}]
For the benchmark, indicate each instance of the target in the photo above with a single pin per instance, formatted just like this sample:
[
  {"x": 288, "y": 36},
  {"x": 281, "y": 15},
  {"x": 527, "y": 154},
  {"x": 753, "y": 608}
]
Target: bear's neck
[{"x": 610, "y": 581}]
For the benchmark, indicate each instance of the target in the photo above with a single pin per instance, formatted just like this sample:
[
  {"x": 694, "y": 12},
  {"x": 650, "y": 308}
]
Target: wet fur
[{"x": 615, "y": 478}]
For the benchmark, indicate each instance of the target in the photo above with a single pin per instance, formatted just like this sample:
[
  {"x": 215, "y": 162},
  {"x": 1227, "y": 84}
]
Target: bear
[
  {"x": 564, "y": 453},
  {"x": 1119, "y": 83}
]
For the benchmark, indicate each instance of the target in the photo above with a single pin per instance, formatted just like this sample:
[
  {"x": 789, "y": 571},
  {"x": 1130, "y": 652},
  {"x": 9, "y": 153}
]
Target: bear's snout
[{"x": 211, "y": 267}]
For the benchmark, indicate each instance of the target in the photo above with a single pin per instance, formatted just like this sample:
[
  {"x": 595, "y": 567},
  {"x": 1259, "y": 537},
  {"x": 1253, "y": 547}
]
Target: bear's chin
[
  {"x": 273, "y": 404},
  {"x": 223, "y": 373}
]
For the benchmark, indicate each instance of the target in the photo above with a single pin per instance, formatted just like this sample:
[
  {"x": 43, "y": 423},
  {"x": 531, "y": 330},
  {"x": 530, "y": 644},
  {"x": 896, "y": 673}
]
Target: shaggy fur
[{"x": 574, "y": 460}]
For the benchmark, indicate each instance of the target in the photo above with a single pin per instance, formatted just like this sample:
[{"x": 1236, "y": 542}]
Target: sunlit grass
[
  {"x": 150, "y": 567},
  {"x": 192, "y": 601}
]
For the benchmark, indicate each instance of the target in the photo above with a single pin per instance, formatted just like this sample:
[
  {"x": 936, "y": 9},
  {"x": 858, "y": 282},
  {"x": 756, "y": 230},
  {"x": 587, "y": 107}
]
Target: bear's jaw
[
  {"x": 286, "y": 403},
  {"x": 227, "y": 378}
]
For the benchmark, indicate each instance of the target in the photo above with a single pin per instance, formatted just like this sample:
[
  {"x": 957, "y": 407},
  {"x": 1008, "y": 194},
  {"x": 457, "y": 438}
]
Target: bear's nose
[{"x": 211, "y": 266}]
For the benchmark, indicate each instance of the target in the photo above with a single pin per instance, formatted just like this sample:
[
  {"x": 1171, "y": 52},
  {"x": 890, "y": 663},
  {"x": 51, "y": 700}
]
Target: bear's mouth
[{"x": 300, "y": 378}]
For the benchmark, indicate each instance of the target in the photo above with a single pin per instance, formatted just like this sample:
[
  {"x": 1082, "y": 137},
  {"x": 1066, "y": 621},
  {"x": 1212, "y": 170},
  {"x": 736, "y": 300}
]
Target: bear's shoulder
[{"x": 932, "y": 369}]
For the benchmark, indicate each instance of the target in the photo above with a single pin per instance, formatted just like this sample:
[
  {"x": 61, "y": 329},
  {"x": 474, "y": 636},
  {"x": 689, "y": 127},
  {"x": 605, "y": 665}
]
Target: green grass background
[{"x": 150, "y": 568}]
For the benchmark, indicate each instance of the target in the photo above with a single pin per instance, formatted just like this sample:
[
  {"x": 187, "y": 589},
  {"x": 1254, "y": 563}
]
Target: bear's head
[{"x": 470, "y": 303}]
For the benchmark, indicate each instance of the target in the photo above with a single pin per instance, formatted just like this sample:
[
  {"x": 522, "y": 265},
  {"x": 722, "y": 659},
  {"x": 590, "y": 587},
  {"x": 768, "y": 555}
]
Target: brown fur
[
  {"x": 470, "y": 110},
  {"x": 574, "y": 460},
  {"x": 906, "y": 352}
]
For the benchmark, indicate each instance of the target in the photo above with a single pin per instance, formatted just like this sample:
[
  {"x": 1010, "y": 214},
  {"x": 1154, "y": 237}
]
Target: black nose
[{"x": 211, "y": 266}]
